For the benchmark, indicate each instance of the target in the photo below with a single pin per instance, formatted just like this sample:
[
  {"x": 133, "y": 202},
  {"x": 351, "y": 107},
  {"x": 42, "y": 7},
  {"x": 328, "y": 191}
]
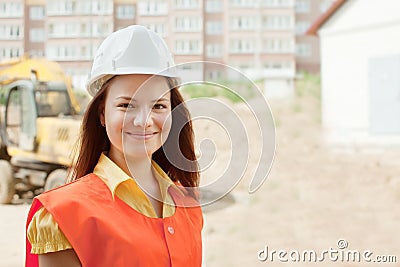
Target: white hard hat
[{"x": 132, "y": 50}]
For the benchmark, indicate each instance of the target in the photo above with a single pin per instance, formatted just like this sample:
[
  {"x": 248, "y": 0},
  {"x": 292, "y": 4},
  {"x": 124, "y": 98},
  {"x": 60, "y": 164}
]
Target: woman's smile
[{"x": 141, "y": 135}]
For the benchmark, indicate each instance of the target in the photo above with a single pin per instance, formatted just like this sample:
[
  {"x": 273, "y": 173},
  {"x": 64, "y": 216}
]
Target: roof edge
[{"x": 313, "y": 30}]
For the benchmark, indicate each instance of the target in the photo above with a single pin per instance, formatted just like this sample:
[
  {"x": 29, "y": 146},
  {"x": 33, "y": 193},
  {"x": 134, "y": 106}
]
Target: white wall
[
  {"x": 278, "y": 88},
  {"x": 361, "y": 30}
]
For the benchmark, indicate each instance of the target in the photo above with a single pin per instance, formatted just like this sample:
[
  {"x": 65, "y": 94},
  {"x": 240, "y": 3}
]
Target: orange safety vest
[{"x": 107, "y": 232}]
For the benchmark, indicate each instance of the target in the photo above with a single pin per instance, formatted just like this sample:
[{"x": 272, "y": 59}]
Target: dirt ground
[
  {"x": 314, "y": 196},
  {"x": 12, "y": 235}
]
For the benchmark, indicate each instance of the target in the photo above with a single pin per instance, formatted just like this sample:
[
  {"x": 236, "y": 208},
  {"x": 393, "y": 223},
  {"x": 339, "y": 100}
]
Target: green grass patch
[
  {"x": 234, "y": 92},
  {"x": 309, "y": 85}
]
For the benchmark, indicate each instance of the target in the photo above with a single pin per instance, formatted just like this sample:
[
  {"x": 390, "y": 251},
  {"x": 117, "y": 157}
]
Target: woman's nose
[{"x": 143, "y": 118}]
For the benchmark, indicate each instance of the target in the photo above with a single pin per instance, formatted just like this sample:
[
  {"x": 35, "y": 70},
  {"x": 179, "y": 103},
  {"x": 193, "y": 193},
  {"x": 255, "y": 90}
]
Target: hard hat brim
[{"x": 95, "y": 84}]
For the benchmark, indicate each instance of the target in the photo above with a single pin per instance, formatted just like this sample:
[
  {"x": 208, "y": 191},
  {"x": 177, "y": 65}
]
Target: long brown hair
[{"x": 94, "y": 140}]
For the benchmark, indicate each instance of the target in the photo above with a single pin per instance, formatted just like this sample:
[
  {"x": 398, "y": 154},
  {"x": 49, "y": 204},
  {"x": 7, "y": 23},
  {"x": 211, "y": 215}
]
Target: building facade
[
  {"x": 307, "y": 47},
  {"x": 261, "y": 38},
  {"x": 12, "y": 28}
]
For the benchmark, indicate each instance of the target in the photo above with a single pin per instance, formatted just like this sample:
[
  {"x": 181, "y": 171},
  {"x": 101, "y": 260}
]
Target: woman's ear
[
  {"x": 102, "y": 120},
  {"x": 101, "y": 115}
]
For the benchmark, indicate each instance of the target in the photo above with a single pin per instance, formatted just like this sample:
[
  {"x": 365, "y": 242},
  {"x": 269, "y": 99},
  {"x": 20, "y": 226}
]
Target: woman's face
[{"x": 137, "y": 115}]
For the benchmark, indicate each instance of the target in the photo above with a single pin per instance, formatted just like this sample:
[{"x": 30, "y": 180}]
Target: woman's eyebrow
[
  {"x": 161, "y": 99},
  {"x": 134, "y": 100},
  {"x": 125, "y": 98}
]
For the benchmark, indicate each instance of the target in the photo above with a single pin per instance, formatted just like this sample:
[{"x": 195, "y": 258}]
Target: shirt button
[{"x": 171, "y": 230}]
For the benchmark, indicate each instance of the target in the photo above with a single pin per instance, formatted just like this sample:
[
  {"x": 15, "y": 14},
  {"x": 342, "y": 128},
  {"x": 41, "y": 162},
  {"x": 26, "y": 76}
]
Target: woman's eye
[
  {"x": 125, "y": 105},
  {"x": 159, "y": 106}
]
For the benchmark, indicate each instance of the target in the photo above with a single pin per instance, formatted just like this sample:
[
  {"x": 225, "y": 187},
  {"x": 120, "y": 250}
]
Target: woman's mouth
[{"x": 141, "y": 136}]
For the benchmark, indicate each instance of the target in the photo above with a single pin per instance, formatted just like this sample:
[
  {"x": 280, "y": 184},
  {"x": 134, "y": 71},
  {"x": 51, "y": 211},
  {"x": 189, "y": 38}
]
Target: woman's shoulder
[
  {"x": 83, "y": 182},
  {"x": 88, "y": 187}
]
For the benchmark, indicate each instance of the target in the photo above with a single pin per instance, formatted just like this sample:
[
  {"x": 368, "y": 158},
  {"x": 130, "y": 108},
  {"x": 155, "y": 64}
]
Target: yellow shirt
[{"x": 43, "y": 232}]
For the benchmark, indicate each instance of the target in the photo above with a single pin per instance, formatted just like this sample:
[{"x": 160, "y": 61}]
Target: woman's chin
[{"x": 139, "y": 153}]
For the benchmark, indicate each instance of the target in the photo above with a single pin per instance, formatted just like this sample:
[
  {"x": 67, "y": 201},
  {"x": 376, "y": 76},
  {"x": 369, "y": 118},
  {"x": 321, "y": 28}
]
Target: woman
[{"x": 125, "y": 205}]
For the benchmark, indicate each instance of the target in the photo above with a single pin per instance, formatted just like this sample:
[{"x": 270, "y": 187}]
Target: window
[
  {"x": 84, "y": 52},
  {"x": 213, "y": 6},
  {"x": 51, "y": 7},
  {"x": 36, "y": 35},
  {"x": 277, "y": 3},
  {"x": 244, "y": 3},
  {"x": 11, "y": 10},
  {"x": 243, "y": 23},
  {"x": 60, "y": 30},
  {"x": 286, "y": 46},
  {"x": 36, "y": 13},
  {"x": 188, "y": 24},
  {"x": 214, "y": 50},
  {"x": 85, "y": 7},
  {"x": 125, "y": 12},
  {"x": 214, "y": 75},
  {"x": 241, "y": 46},
  {"x": 302, "y": 27},
  {"x": 72, "y": 29},
  {"x": 52, "y": 103},
  {"x": 61, "y": 7},
  {"x": 303, "y": 50},
  {"x": 214, "y": 27},
  {"x": 279, "y": 65},
  {"x": 244, "y": 66},
  {"x": 56, "y": 7},
  {"x": 277, "y": 22},
  {"x": 188, "y": 47},
  {"x": 10, "y": 52},
  {"x": 11, "y": 32},
  {"x": 152, "y": 8},
  {"x": 70, "y": 6},
  {"x": 64, "y": 52},
  {"x": 279, "y": 45},
  {"x": 75, "y": 30},
  {"x": 101, "y": 29},
  {"x": 50, "y": 30},
  {"x": 187, "y": 4},
  {"x": 302, "y": 6},
  {"x": 84, "y": 30},
  {"x": 38, "y": 53},
  {"x": 75, "y": 7},
  {"x": 102, "y": 7},
  {"x": 159, "y": 28}
]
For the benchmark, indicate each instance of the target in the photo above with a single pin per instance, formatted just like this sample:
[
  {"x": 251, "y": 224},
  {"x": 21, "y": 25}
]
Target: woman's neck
[{"x": 139, "y": 168}]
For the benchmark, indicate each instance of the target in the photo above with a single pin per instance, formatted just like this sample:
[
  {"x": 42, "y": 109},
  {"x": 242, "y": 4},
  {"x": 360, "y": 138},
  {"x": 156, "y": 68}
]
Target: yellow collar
[{"x": 113, "y": 176}]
